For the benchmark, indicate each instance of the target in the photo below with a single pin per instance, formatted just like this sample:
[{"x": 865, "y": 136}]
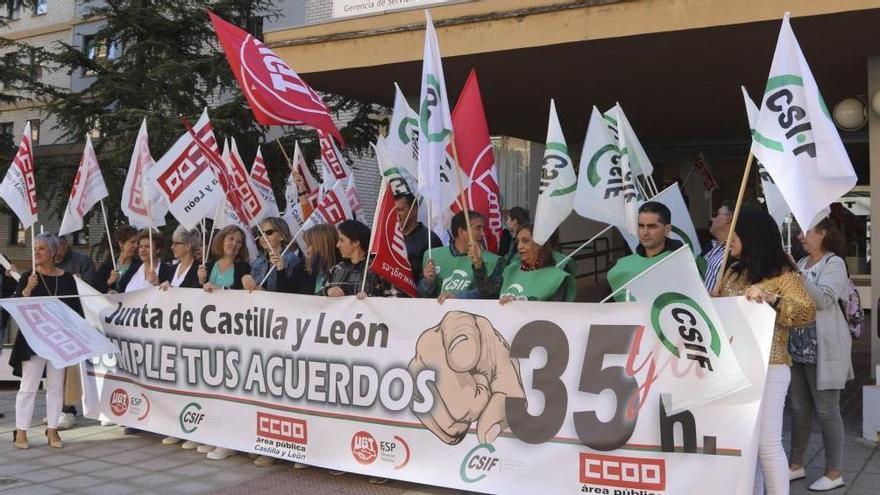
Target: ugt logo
[
  {"x": 677, "y": 314},
  {"x": 785, "y": 96}
]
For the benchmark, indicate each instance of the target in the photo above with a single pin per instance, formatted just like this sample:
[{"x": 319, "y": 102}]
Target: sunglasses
[{"x": 268, "y": 233}]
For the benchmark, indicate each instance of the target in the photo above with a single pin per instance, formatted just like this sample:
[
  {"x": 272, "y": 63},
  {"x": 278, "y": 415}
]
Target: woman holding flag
[
  {"x": 764, "y": 273},
  {"x": 125, "y": 238},
  {"x": 288, "y": 275},
  {"x": 46, "y": 280},
  {"x": 150, "y": 271}
]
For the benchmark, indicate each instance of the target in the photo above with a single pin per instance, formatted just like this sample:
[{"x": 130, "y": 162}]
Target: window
[
  {"x": 17, "y": 233},
  {"x": 80, "y": 238},
  {"x": 98, "y": 50},
  {"x": 41, "y": 7},
  {"x": 35, "y": 131},
  {"x": 11, "y": 8},
  {"x": 7, "y": 130}
]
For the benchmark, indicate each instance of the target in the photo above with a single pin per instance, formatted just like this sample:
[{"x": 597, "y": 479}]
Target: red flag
[
  {"x": 388, "y": 247},
  {"x": 476, "y": 160},
  {"x": 274, "y": 91},
  {"x": 709, "y": 182}
]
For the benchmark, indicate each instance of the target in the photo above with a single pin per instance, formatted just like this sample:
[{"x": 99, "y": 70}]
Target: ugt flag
[
  {"x": 263, "y": 186},
  {"x": 274, "y": 91},
  {"x": 185, "y": 178},
  {"x": 606, "y": 190},
  {"x": 477, "y": 162},
  {"x": 141, "y": 202},
  {"x": 19, "y": 188},
  {"x": 88, "y": 188},
  {"x": 776, "y": 204},
  {"x": 692, "y": 337},
  {"x": 388, "y": 247},
  {"x": 435, "y": 133},
  {"x": 795, "y": 137},
  {"x": 558, "y": 182}
]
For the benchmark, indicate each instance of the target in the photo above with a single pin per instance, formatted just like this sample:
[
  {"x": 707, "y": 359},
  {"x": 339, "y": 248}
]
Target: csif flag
[
  {"x": 630, "y": 147},
  {"x": 275, "y": 92},
  {"x": 477, "y": 161},
  {"x": 263, "y": 186},
  {"x": 401, "y": 147},
  {"x": 558, "y": 182},
  {"x": 795, "y": 138},
  {"x": 88, "y": 188},
  {"x": 606, "y": 190},
  {"x": 692, "y": 337},
  {"x": 776, "y": 205},
  {"x": 18, "y": 188},
  {"x": 141, "y": 202},
  {"x": 388, "y": 248}
]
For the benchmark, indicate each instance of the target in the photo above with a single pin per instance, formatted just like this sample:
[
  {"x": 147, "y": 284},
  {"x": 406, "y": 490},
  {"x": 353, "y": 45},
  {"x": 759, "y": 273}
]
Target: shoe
[
  {"x": 170, "y": 440},
  {"x": 797, "y": 474},
  {"x": 220, "y": 453},
  {"x": 378, "y": 481},
  {"x": 336, "y": 472},
  {"x": 264, "y": 461},
  {"x": 44, "y": 421},
  {"x": 128, "y": 430},
  {"x": 107, "y": 422},
  {"x": 825, "y": 484},
  {"x": 23, "y": 444},
  {"x": 189, "y": 445},
  {"x": 205, "y": 448},
  {"x": 56, "y": 443},
  {"x": 66, "y": 421},
  {"x": 299, "y": 465}
]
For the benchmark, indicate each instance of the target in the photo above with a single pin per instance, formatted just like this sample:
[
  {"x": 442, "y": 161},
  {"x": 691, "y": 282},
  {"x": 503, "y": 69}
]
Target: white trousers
[
  {"x": 31, "y": 374},
  {"x": 772, "y": 472}
]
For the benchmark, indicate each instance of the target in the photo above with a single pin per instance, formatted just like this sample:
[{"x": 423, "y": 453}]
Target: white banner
[
  {"x": 55, "y": 332},
  {"x": 353, "y": 8},
  {"x": 527, "y": 398}
]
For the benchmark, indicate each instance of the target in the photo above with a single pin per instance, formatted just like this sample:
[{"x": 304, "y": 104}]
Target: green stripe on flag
[
  {"x": 783, "y": 80},
  {"x": 610, "y": 120},
  {"x": 557, "y": 147},
  {"x": 767, "y": 142},
  {"x": 565, "y": 190}
]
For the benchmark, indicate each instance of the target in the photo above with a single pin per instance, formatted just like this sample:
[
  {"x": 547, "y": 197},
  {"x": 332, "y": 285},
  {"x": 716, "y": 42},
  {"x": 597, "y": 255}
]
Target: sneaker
[
  {"x": 220, "y": 453},
  {"x": 264, "y": 461},
  {"x": 170, "y": 440},
  {"x": 378, "y": 481},
  {"x": 66, "y": 421},
  {"x": 299, "y": 465},
  {"x": 797, "y": 474},
  {"x": 128, "y": 430},
  {"x": 45, "y": 420},
  {"x": 205, "y": 448},
  {"x": 189, "y": 445},
  {"x": 825, "y": 484},
  {"x": 336, "y": 472},
  {"x": 107, "y": 422}
]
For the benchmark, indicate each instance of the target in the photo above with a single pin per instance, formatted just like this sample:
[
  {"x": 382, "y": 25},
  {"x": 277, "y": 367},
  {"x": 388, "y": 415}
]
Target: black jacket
[
  {"x": 241, "y": 268},
  {"x": 416, "y": 245}
]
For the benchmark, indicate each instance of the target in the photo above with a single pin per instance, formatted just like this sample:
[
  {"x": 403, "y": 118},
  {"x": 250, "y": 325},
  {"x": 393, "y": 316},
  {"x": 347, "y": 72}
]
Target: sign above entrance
[{"x": 354, "y": 8}]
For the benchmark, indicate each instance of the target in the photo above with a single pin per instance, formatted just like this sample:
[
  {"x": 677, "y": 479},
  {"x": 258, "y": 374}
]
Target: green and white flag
[
  {"x": 401, "y": 146},
  {"x": 606, "y": 190},
  {"x": 558, "y": 182},
  {"x": 692, "y": 338},
  {"x": 436, "y": 167},
  {"x": 795, "y": 137},
  {"x": 630, "y": 148},
  {"x": 776, "y": 205}
]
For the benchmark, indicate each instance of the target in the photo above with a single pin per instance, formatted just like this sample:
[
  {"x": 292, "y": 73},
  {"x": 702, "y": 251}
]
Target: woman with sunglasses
[{"x": 285, "y": 271}]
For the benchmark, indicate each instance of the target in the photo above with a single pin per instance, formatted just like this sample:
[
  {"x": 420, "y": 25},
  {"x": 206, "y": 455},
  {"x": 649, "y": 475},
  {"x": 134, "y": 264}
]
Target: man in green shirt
[
  {"x": 655, "y": 224},
  {"x": 449, "y": 270}
]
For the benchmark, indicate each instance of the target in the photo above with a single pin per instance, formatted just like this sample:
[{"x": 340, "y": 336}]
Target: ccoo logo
[{"x": 678, "y": 318}]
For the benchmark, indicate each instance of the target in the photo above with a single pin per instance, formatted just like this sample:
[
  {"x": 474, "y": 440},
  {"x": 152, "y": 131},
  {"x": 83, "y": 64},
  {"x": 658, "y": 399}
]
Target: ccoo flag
[
  {"x": 795, "y": 138},
  {"x": 263, "y": 186},
  {"x": 141, "y": 202},
  {"x": 88, "y": 188},
  {"x": 691, "y": 334},
  {"x": 18, "y": 188},
  {"x": 606, "y": 190},
  {"x": 558, "y": 182},
  {"x": 776, "y": 205}
]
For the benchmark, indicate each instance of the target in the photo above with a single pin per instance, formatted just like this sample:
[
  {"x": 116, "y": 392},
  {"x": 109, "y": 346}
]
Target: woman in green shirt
[{"x": 230, "y": 262}]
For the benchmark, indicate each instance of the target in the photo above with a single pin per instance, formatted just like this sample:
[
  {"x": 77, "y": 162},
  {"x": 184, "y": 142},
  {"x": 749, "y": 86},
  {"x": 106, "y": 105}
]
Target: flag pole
[
  {"x": 109, "y": 238},
  {"x": 214, "y": 221},
  {"x": 33, "y": 253},
  {"x": 642, "y": 274},
  {"x": 204, "y": 251},
  {"x": 382, "y": 189},
  {"x": 150, "y": 233},
  {"x": 465, "y": 207},
  {"x": 283, "y": 152},
  {"x": 739, "y": 200},
  {"x": 286, "y": 248},
  {"x": 588, "y": 241},
  {"x": 788, "y": 234},
  {"x": 264, "y": 237}
]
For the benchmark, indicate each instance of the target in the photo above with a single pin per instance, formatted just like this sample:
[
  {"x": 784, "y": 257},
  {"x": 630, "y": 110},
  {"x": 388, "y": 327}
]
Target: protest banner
[{"x": 531, "y": 397}]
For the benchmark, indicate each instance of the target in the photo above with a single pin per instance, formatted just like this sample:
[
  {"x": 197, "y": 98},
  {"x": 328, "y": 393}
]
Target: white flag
[
  {"x": 606, "y": 190},
  {"x": 401, "y": 147},
  {"x": 690, "y": 332},
  {"x": 141, "y": 201},
  {"x": 354, "y": 200},
  {"x": 776, "y": 205},
  {"x": 436, "y": 167},
  {"x": 88, "y": 188},
  {"x": 682, "y": 224},
  {"x": 299, "y": 164},
  {"x": 558, "y": 182},
  {"x": 630, "y": 147},
  {"x": 333, "y": 209},
  {"x": 795, "y": 137},
  {"x": 263, "y": 186},
  {"x": 18, "y": 188},
  {"x": 230, "y": 215},
  {"x": 335, "y": 166},
  {"x": 184, "y": 176}
]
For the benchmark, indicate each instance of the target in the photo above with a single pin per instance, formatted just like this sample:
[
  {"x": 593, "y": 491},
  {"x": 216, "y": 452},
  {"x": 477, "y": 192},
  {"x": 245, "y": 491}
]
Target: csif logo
[
  {"x": 690, "y": 323},
  {"x": 684, "y": 238},
  {"x": 459, "y": 280},
  {"x": 608, "y": 157},
  {"x": 478, "y": 463},
  {"x": 785, "y": 97},
  {"x": 191, "y": 416}
]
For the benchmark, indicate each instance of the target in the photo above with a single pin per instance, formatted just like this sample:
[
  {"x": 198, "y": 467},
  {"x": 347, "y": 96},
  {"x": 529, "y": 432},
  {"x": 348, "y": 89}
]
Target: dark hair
[
  {"x": 158, "y": 239},
  {"x": 834, "y": 240},
  {"x": 123, "y": 234},
  {"x": 520, "y": 214},
  {"x": 220, "y": 238},
  {"x": 410, "y": 199},
  {"x": 545, "y": 252},
  {"x": 458, "y": 222},
  {"x": 762, "y": 255},
  {"x": 356, "y": 232},
  {"x": 658, "y": 208}
]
